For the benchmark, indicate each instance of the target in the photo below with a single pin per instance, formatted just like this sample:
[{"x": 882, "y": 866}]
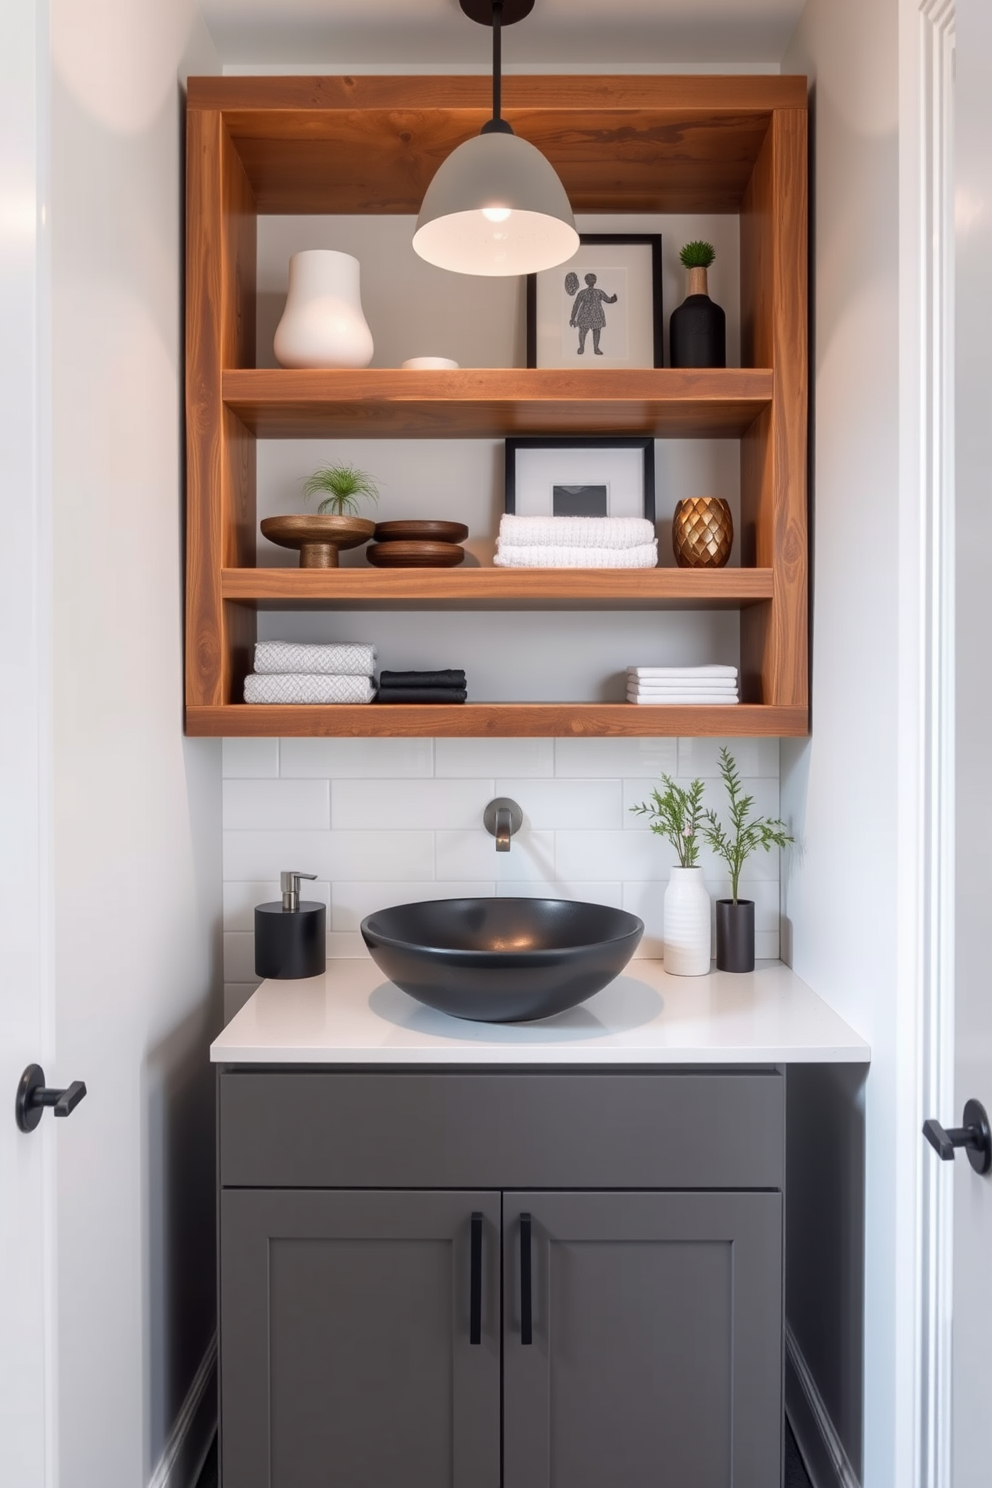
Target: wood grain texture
[
  {"x": 477, "y": 403},
  {"x": 496, "y": 588},
  {"x": 648, "y": 144},
  {"x": 774, "y": 643},
  {"x": 492, "y": 720}
]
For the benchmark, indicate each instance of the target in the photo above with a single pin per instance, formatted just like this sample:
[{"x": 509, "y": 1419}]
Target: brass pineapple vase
[{"x": 702, "y": 532}]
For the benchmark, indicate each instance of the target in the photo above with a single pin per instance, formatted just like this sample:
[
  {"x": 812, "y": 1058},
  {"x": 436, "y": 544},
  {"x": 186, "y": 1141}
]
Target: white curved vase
[
  {"x": 323, "y": 324},
  {"x": 687, "y": 923}
]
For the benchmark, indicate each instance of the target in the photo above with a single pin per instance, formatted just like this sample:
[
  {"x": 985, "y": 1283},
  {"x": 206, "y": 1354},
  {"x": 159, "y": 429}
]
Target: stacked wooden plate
[{"x": 417, "y": 544}]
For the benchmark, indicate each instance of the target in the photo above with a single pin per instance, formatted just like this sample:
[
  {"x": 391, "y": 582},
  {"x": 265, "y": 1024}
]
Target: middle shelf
[{"x": 499, "y": 588}]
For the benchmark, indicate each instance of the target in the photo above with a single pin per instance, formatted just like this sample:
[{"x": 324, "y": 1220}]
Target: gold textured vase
[{"x": 702, "y": 532}]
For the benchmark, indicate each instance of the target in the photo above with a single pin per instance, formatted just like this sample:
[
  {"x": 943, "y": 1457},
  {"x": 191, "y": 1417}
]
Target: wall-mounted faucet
[{"x": 501, "y": 818}]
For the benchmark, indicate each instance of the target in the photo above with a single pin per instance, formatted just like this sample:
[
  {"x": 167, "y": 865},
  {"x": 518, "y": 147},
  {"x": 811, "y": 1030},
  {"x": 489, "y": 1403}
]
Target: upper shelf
[{"x": 478, "y": 403}]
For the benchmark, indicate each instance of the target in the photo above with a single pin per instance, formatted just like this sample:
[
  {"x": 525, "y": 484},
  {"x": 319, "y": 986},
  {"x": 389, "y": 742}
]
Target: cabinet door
[
  {"x": 346, "y": 1355},
  {"x": 656, "y": 1353}
]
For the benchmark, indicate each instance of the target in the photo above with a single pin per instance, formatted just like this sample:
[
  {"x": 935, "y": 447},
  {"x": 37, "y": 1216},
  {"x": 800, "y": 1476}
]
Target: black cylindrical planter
[
  {"x": 290, "y": 943},
  {"x": 735, "y": 935},
  {"x": 698, "y": 334}
]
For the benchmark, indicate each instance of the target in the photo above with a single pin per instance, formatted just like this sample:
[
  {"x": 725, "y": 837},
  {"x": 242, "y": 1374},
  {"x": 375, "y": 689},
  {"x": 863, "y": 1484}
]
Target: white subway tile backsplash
[
  {"x": 250, "y": 759},
  {"x": 754, "y": 757},
  {"x": 346, "y": 945},
  {"x": 527, "y": 758},
  {"x": 351, "y": 902},
  {"x": 473, "y": 856},
  {"x": 589, "y": 893},
  {"x": 597, "y": 758},
  {"x": 263, "y": 855},
  {"x": 430, "y": 804},
  {"x": 379, "y": 855},
  {"x": 279, "y": 805},
  {"x": 357, "y": 759},
  {"x": 563, "y": 804},
  {"x": 610, "y": 855}
]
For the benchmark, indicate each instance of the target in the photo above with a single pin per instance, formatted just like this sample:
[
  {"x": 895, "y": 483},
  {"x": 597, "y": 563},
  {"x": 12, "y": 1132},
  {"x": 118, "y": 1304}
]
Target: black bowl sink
[{"x": 501, "y": 960}]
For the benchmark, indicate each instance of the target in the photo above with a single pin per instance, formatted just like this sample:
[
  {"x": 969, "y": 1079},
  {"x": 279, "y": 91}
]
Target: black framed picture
[
  {"x": 599, "y": 476},
  {"x": 600, "y": 309}
]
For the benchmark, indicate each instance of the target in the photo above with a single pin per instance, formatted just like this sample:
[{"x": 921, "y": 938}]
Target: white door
[
  {"x": 971, "y": 1375},
  {"x": 26, "y": 1262}
]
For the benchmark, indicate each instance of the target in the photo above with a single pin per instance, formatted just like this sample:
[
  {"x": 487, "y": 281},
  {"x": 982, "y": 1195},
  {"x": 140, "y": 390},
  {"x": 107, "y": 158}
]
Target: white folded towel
[
  {"x": 576, "y": 532},
  {"x": 343, "y": 660},
  {"x": 308, "y": 687},
  {"x": 685, "y": 699},
  {"x": 657, "y": 690},
  {"x": 682, "y": 674},
  {"x": 644, "y": 556}
]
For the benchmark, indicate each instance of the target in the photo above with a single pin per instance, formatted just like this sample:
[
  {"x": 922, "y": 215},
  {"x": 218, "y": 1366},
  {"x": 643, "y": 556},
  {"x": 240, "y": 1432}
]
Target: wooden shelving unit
[{"x": 371, "y": 145}]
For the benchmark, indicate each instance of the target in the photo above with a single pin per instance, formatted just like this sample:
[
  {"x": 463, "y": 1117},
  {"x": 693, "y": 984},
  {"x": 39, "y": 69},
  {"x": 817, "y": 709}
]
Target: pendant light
[{"x": 496, "y": 206}]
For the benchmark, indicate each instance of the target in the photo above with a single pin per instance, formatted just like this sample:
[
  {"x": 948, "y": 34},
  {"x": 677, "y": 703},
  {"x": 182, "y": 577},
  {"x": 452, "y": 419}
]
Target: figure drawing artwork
[{"x": 602, "y": 308}]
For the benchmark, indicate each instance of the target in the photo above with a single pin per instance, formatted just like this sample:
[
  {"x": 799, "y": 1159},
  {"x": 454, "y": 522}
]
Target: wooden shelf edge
[
  {"x": 645, "y": 587},
  {"x": 494, "y": 720}
]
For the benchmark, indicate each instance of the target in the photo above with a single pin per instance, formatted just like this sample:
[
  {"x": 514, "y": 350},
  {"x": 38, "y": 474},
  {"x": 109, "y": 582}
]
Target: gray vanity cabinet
[{"x": 603, "y": 1305}]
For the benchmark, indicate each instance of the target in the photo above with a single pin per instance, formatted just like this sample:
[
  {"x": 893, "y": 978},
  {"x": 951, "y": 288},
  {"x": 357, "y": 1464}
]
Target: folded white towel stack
[
  {"x": 686, "y": 686},
  {"x": 576, "y": 542},
  {"x": 287, "y": 672}
]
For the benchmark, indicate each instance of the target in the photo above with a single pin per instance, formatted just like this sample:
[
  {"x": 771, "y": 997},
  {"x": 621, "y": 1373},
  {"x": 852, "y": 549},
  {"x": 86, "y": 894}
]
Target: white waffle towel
[
  {"x": 644, "y": 556},
  {"x": 303, "y": 687},
  {"x": 683, "y": 674},
  {"x": 684, "y": 699},
  {"x": 576, "y": 532},
  {"x": 287, "y": 656}
]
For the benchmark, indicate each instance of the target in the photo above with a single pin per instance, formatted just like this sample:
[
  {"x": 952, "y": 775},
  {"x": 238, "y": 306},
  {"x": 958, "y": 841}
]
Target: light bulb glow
[{"x": 496, "y": 214}]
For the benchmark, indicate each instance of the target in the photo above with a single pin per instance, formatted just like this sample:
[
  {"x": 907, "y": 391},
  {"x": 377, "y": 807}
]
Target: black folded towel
[
  {"x": 449, "y": 678},
  {"x": 421, "y": 695}
]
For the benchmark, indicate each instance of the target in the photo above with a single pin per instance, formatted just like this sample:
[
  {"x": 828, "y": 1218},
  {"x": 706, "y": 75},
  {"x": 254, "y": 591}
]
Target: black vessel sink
[{"x": 501, "y": 960}]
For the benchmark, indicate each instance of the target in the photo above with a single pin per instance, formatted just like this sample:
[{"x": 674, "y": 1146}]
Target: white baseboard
[
  {"x": 822, "y": 1450},
  {"x": 193, "y": 1429}
]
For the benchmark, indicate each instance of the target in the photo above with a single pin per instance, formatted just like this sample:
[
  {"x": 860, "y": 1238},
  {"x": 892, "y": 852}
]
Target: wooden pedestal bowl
[{"x": 319, "y": 539}]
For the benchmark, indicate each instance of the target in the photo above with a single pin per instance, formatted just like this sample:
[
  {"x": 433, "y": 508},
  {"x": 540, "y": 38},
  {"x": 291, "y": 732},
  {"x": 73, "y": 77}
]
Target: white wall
[
  {"x": 136, "y": 806},
  {"x": 840, "y": 788}
]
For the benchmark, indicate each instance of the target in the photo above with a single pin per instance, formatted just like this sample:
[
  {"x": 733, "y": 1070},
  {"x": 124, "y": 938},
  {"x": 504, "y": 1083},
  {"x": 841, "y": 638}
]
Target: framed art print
[
  {"x": 600, "y": 309},
  {"x": 595, "y": 477}
]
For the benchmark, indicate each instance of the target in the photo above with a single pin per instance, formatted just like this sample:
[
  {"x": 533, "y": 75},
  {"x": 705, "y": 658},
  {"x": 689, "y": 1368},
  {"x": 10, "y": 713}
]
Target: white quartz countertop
[{"x": 352, "y": 1015}]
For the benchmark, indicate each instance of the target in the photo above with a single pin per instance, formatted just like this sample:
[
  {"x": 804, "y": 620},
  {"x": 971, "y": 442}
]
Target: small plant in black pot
[
  {"x": 698, "y": 327},
  {"x": 735, "y": 844}
]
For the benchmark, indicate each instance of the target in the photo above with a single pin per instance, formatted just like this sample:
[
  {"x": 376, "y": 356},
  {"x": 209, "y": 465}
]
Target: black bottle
[
  {"x": 698, "y": 328},
  {"x": 290, "y": 935}
]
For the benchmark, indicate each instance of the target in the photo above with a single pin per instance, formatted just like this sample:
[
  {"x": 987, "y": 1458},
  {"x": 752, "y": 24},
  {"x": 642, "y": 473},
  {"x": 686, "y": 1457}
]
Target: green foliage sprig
[
  {"x": 676, "y": 814},
  {"x": 342, "y": 487},
  {"x": 697, "y": 255},
  {"x": 747, "y": 832}
]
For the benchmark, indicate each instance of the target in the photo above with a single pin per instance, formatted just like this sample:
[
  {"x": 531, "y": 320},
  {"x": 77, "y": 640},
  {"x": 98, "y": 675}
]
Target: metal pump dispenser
[{"x": 291, "y": 934}]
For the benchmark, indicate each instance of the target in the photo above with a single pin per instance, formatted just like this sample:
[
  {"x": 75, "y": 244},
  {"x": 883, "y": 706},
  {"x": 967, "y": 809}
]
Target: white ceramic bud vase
[
  {"x": 687, "y": 923},
  {"x": 323, "y": 324}
]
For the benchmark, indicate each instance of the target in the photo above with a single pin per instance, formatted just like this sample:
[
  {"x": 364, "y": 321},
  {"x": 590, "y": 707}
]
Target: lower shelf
[{"x": 493, "y": 720}]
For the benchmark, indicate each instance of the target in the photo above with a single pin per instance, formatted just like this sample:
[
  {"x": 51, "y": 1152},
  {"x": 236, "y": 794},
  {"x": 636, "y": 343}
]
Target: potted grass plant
[
  {"x": 735, "y": 843},
  {"x": 336, "y": 526},
  {"x": 676, "y": 813},
  {"x": 698, "y": 327}
]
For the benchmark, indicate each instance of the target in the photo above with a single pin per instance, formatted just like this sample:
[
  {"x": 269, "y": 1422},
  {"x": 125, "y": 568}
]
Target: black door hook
[{"x": 33, "y": 1096}]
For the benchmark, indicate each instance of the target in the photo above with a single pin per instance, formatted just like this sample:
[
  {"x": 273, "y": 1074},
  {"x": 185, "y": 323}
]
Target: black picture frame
[
  {"x": 652, "y": 241},
  {"x": 620, "y": 442}
]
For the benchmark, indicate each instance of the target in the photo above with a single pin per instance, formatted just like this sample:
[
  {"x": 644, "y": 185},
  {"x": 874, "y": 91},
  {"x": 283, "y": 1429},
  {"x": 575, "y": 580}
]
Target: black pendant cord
[{"x": 497, "y": 125}]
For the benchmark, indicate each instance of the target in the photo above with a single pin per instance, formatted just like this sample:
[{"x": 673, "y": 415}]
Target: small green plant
[
  {"x": 746, "y": 832},
  {"x": 676, "y": 813},
  {"x": 342, "y": 488},
  {"x": 697, "y": 255}
]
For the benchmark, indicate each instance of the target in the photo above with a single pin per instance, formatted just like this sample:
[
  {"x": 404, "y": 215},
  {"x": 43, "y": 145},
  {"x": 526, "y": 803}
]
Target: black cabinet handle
[
  {"x": 975, "y": 1137},
  {"x": 33, "y": 1096},
  {"x": 475, "y": 1283},
  {"x": 526, "y": 1294}
]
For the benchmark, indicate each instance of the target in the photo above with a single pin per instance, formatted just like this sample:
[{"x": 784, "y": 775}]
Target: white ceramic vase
[
  {"x": 323, "y": 324},
  {"x": 687, "y": 923}
]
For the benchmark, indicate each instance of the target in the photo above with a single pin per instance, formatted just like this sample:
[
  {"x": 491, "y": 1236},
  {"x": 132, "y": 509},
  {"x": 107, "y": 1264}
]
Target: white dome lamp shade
[{"x": 496, "y": 206}]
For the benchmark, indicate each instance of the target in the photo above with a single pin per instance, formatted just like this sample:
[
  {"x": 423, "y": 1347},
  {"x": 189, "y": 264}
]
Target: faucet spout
[{"x": 501, "y": 819}]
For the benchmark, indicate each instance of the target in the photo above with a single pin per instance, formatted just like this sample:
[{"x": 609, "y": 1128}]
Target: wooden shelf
[
  {"x": 476, "y": 403},
  {"x": 499, "y": 588},
  {"x": 492, "y": 720}
]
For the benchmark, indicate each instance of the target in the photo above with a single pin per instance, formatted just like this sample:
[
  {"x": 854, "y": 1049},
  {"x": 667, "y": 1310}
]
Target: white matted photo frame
[
  {"x": 600, "y": 309},
  {"x": 601, "y": 476}
]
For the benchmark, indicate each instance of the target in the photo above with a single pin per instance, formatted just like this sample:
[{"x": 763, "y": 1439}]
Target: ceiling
[{"x": 587, "y": 33}]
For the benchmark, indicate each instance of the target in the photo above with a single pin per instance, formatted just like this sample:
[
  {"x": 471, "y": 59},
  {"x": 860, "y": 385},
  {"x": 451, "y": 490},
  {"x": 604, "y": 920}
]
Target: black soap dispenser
[{"x": 290, "y": 936}]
